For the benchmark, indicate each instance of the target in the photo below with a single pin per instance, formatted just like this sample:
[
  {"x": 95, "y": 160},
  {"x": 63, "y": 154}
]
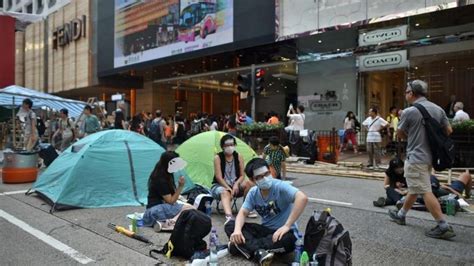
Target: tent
[
  {"x": 106, "y": 169},
  {"x": 13, "y": 96},
  {"x": 199, "y": 152}
]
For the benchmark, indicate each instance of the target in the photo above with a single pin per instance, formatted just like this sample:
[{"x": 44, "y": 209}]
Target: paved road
[{"x": 84, "y": 237}]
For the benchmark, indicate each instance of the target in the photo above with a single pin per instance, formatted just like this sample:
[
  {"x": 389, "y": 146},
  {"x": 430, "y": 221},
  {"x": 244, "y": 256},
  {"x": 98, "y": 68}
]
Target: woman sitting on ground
[
  {"x": 394, "y": 183},
  {"x": 163, "y": 195}
]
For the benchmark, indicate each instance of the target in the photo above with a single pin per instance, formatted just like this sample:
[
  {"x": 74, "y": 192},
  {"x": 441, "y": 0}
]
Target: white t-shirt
[
  {"x": 461, "y": 116},
  {"x": 213, "y": 126},
  {"x": 297, "y": 121},
  {"x": 348, "y": 123},
  {"x": 374, "y": 126}
]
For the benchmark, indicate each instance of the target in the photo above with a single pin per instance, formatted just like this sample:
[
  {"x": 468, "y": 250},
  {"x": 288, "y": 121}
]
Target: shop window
[
  {"x": 29, "y": 9},
  {"x": 40, "y": 6},
  {"x": 9, "y": 5},
  {"x": 51, "y": 3}
]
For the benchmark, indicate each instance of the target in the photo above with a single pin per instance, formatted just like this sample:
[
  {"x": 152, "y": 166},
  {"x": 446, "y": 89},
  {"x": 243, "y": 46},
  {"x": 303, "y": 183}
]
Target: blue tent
[{"x": 106, "y": 169}]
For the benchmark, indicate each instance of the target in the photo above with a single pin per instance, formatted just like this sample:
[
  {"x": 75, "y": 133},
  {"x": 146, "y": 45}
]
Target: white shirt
[
  {"x": 348, "y": 123},
  {"x": 461, "y": 116},
  {"x": 213, "y": 126},
  {"x": 297, "y": 121},
  {"x": 374, "y": 126}
]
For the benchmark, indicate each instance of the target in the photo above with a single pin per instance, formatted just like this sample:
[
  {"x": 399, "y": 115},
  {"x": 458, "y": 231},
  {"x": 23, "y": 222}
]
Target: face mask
[
  {"x": 265, "y": 183},
  {"x": 229, "y": 149}
]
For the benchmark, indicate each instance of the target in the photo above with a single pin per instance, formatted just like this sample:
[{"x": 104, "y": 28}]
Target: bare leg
[
  {"x": 432, "y": 204},
  {"x": 247, "y": 185},
  {"x": 226, "y": 198},
  {"x": 466, "y": 179}
]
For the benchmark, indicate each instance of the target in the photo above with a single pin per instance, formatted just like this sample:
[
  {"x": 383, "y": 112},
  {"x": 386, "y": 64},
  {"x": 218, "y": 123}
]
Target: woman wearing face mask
[
  {"x": 395, "y": 184},
  {"x": 163, "y": 195},
  {"x": 229, "y": 181}
]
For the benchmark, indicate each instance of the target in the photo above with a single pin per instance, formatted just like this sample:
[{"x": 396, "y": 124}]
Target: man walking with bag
[{"x": 418, "y": 164}]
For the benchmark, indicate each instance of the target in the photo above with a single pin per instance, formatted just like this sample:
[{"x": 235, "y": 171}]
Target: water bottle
[
  {"x": 298, "y": 248},
  {"x": 208, "y": 208},
  {"x": 139, "y": 225},
  {"x": 134, "y": 223},
  {"x": 213, "y": 260},
  {"x": 304, "y": 260}
]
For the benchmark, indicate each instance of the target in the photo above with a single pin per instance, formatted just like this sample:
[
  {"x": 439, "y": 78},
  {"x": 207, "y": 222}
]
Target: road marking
[
  {"x": 13, "y": 192},
  {"x": 330, "y": 201},
  {"x": 74, "y": 254}
]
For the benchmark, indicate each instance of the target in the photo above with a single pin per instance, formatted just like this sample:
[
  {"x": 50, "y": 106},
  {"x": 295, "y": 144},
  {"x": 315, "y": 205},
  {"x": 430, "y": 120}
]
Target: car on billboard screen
[{"x": 198, "y": 18}]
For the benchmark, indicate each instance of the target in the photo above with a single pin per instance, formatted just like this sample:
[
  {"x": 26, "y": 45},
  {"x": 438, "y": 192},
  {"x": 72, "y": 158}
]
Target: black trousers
[
  {"x": 392, "y": 196},
  {"x": 260, "y": 237}
]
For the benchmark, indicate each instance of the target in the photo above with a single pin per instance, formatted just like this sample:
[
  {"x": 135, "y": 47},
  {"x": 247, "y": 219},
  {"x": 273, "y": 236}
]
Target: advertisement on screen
[{"x": 153, "y": 29}]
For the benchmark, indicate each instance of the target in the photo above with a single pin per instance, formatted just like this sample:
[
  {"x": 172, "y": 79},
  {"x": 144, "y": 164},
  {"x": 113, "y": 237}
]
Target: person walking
[
  {"x": 91, "y": 122},
  {"x": 350, "y": 125},
  {"x": 418, "y": 163},
  {"x": 30, "y": 131},
  {"x": 374, "y": 124},
  {"x": 65, "y": 130}
]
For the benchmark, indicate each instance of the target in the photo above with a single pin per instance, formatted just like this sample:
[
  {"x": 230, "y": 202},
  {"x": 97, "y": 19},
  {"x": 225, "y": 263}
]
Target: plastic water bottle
[
  {"x": 213, "y": 239},
  {"x": 134, "y": 223},
  {"x": 139, "y": 225},
  {"x": 208, "y": 208},
  {"x": 298, "y": 248},
  {"x": 451, "y": 205},
  {"x": 304, "y": 260}
]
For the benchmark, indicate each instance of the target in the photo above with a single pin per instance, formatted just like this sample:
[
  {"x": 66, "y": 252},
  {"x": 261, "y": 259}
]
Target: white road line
[
  {"x": 330, "y": 201},
  {"x": 74, "y": 254},
  {"x": 13, "y": 192}
]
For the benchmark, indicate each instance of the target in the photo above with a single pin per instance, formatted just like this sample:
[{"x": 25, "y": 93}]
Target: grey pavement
[{"x": 376, "y": 240}]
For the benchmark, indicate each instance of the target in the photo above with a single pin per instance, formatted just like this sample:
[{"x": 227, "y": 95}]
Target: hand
[
  {"x": 181, "y": 181},
  {"x": 237, "y": 238},
  {"x": 235, "y": 190},
  {"x": 280, "y": 233}
]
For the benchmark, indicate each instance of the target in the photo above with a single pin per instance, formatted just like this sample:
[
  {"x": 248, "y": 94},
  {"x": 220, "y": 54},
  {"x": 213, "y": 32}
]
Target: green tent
[
  {"x": 106, "y": 169},
  {"x": 199, "y": 152}
]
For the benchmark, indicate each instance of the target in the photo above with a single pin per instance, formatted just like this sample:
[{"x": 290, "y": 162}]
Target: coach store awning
[{"x": 13, "y": 96}]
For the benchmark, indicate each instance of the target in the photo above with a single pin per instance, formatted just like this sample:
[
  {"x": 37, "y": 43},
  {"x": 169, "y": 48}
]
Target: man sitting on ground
[
  {"x": 462, "y": 184},
  {"x": 273, "y": 199}
]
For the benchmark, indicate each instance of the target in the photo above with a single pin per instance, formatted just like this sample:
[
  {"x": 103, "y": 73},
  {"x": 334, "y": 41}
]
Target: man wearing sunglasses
[{"x": 279, "y": 204}]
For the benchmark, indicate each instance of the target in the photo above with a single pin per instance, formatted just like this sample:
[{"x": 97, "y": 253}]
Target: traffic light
[
  {"x": 259, "y": 81},
  {"x": 244, "y": 82}
]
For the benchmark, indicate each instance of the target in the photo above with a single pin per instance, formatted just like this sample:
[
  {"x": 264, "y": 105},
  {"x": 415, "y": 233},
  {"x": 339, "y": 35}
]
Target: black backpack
[
  {"x": 155, "y": 130},
  {"x": 441, "y": 145},
  {"x": 187, "y": 236},
  {"x": 326, "y": 237}
]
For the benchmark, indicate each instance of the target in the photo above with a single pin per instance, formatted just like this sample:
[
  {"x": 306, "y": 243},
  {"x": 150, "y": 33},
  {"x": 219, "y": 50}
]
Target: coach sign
[
  {"x": 383, "y": 36},
  {"x": 69, "y": 32},
  {"x": 383, "y": 61}
]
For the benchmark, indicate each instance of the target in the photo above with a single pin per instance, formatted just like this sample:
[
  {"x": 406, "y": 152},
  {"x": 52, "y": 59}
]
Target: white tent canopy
[{"x": 13, "y": 96}]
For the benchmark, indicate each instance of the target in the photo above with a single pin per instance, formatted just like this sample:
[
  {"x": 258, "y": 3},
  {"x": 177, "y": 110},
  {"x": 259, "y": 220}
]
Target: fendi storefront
[{"x": 57, "y": 55}]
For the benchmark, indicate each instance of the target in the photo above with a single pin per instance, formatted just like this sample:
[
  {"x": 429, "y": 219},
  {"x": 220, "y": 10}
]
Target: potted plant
[{"x": 463, "y": 137}]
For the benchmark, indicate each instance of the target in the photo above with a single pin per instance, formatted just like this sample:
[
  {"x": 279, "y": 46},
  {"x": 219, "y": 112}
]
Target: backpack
[
  {"x": 187, "y": 236},
  {"x": 326, "y": 238},
  {"x": 441, "y": 145},
  {"x": 196, "y": 127},
  {"x": 40, "y": 126},
  {"x": 181, "y": 133},
  {"x": 155, "y": 130}
]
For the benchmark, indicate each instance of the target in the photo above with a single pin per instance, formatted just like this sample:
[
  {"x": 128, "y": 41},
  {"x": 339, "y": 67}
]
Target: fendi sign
[{"x": 69, "y": 32}]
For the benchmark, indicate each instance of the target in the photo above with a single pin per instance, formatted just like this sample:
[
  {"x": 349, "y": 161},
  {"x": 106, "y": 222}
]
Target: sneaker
[
  {"x": 394, "y": 216},
  {"x": 157, "y": 227},
  {"x": 380, "y": 202},
  {"x": 237, "y": 250},
  {"x": 399, "y": 204},
  {"x": 263, "y": 257},
  {"x": 252, "y": 214},
  {"x": 437, "y": 232},
  {"x": 370, "y": 165}
]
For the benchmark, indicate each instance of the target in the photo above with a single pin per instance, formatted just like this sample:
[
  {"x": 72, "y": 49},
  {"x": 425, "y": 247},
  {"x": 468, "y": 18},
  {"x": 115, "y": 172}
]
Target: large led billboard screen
[{"x": 151, "y": 29}]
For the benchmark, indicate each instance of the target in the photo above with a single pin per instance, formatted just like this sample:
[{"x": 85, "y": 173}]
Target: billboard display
[{"x": 151, "y": 29}]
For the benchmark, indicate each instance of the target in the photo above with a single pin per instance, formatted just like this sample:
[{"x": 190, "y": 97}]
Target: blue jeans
[{"x": 161, "y": 212}]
